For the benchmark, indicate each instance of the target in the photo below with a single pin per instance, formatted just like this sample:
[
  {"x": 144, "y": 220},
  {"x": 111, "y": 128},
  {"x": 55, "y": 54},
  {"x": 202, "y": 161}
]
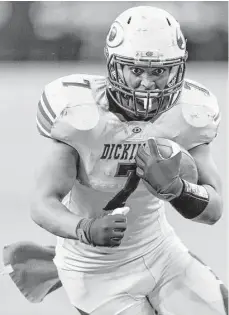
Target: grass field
[{"x": 21, "y": 85}]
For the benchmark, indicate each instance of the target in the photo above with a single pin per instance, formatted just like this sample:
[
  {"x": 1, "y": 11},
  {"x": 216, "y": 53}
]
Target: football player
[{"x": 103, "y": 158}]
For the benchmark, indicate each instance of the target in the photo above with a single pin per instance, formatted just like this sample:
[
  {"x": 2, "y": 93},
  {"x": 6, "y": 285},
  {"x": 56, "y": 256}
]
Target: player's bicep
[
  {"x": 57, "y": 172},
  {"x": 207, "y": 170}
]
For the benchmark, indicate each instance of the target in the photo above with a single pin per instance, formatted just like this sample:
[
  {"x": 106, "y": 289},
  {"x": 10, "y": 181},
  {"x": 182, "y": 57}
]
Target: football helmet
[{"x": 149, "y": 37}]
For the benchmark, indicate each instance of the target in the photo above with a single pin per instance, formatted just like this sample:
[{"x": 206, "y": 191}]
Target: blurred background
[
  {"x": 75, "y": 30},
  {"x": 41, "y": 41}
]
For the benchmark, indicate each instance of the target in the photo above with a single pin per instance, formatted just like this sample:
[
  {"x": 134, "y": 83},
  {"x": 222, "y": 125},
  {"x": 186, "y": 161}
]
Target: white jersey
[{"x": 75, "y": 110}]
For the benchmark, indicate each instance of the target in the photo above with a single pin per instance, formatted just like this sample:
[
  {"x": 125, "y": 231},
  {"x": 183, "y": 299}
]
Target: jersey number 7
[{"x": 119, "y": 200}]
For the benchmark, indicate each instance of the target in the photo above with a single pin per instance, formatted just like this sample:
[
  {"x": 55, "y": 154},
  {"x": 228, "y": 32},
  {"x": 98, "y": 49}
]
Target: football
[{"x": 188, "y": 169}]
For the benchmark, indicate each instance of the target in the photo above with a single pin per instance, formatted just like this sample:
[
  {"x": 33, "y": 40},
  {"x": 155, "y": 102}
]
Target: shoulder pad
[
  {"x": 61, "y": 97},
  {"x": 199, "y": 106},
  {"x": 199, "y": 111},
  {"x": 81, "y": 80}
]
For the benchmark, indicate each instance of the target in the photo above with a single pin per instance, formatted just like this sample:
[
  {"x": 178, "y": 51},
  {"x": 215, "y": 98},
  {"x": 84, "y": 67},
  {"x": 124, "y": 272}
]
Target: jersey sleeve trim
[
  {"x": 44, "y": 123},
  {"x": 45, "y": 116},
  {"x": 42, "y": 130},
  {"x": 47, "y": 107}
]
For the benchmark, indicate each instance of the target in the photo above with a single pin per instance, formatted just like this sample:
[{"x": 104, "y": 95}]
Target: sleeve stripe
[
  {"x": 44, "y": 122},
  {"x": 42, "y": 130},
  {"x": 46, "y": 110},
  {"x": 48, "y": 107},
  {"x": 43, "y": 126},
  {"x": 41, "y": 113},
  {"x": 42, "y": 133}
]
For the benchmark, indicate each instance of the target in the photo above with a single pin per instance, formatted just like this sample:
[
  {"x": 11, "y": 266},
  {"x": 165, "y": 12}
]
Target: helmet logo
[
  {"x": 112, "y": 34},
  {"x": 115, "y": 36},
  {"x": 180, "y": 39}
]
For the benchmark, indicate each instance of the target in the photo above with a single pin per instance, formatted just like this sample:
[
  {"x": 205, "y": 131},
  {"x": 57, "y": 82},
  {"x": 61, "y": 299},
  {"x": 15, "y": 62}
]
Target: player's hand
[
  {"x": 160, "y": 175},
  {"x": 109, "y": 230},
  {"x": 104, "y": 231}
]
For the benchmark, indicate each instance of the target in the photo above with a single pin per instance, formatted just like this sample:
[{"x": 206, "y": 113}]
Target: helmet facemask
[{"x": 127, "y": 98}]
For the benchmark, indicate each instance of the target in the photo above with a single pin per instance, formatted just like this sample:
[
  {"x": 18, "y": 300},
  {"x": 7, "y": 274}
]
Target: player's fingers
[
  {"x": 120, "y": 230},
  {"x": 140, "y": 163},
  {"x": 118, "y": 234},
  {"x": 142, "y": 154},
  {"x": 153, "y": 148},
  {"x": 119, "y": 226},
  {"x": 139, "y": 172},
  {"x": 119, "y": 218},
  {"x": 114, "y": 242}
]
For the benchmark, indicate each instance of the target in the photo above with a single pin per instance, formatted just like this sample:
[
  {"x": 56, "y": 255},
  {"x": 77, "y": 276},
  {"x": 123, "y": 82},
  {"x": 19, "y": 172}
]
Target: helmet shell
[{"x": 146, "y": 32}]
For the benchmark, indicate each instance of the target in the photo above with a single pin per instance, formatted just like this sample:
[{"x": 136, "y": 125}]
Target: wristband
[
  {"x": 83, "y": 231},
  {"x": 192, "y": 201}
]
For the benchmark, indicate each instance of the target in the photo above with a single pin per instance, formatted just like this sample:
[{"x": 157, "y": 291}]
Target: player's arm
[
  {"x": 55, "y": 179},
  {"x": 209, "y": 178},
  {"x": 201, "y": 202}
]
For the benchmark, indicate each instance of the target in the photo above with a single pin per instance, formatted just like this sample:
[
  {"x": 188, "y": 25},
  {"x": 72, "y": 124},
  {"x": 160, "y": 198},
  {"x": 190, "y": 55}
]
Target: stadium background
[{"x": 41, "y": 41}]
